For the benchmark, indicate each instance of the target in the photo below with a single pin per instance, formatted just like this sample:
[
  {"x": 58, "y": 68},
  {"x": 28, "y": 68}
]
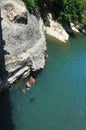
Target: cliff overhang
[{"x": 22, "y": 42}]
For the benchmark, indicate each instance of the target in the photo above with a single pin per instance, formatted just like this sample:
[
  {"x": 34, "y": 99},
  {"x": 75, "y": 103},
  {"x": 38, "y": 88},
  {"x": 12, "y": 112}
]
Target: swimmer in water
[{"x": 29, "y": 83}]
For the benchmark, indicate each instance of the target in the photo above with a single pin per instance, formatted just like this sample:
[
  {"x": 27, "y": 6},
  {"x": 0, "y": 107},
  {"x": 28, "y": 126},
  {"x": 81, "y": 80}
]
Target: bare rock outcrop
[
  {"x": 56, "y": 30},
  {"x": 22, "y": 42}
]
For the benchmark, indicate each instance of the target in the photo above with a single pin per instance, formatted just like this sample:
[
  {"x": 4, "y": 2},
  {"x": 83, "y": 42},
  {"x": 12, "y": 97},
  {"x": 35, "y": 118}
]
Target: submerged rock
[{"x": 23, "y": 42}]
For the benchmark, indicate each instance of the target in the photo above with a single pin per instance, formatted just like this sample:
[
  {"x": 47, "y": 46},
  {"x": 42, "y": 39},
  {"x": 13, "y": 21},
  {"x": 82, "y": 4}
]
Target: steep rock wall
[
  {"x": 56, "y": 30},
  {"x": 22, "y": 42}
]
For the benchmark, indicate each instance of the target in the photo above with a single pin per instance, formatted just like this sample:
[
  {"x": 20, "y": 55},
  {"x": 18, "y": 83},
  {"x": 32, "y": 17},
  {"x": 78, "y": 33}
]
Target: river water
[{"x": 57, "y": 101}]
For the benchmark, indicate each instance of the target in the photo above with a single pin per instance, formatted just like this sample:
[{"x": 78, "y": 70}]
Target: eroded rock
[
  {"x": 24, "y": 42},
  {"x": 56, "y": 30}
]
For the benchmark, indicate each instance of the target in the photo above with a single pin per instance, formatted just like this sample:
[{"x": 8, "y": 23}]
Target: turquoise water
[{"x": 57, "y": 101}]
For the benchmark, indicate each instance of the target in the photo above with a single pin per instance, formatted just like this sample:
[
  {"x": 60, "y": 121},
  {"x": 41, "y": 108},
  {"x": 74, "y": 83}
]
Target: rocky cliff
[
  {"x": 22, "y": 43},
  {"x": 56, "y": 30}
]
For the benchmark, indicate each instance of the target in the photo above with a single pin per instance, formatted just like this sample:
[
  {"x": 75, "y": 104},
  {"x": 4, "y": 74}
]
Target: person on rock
[{"x": 45, "y": 55}]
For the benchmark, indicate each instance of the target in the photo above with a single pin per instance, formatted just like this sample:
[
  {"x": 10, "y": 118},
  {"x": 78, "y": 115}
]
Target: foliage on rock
[{"x": 64, "y": 9}]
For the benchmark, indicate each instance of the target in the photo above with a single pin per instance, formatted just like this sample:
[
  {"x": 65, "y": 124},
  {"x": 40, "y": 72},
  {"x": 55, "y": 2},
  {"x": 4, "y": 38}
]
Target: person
[
  {"x": 46, "y": 55},
  {"x": 29, "y": 84}
]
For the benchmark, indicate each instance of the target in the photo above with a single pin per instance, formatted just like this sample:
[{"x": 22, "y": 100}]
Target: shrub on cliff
[{"x": 64, "y": 9}]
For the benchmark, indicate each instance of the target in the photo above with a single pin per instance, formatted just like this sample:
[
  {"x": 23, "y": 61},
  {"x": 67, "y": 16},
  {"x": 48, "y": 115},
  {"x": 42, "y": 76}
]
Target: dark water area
[
  {"x": 5, "y": 104},
  {"x": 57, "y": 101},
  {"x": 6, "y": 122}
]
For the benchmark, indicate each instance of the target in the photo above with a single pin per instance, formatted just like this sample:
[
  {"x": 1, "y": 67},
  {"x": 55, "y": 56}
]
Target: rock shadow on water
[
  {"x": 32, "y": 99},
  {"x": 6, "y": 122},
  {"x": 3, "y": 72}
]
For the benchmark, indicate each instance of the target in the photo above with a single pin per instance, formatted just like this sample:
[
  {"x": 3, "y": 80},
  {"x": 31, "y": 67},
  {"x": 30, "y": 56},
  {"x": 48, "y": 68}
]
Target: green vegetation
[
  {"x": 69, "y": 10},
  {"x": 72, "y": 10},
  {"x": 84, "y": 13}
]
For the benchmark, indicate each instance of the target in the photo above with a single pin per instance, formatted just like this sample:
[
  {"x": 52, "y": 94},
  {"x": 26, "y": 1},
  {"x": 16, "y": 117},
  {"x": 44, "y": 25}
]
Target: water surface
[{"x": 58, "y": 99}]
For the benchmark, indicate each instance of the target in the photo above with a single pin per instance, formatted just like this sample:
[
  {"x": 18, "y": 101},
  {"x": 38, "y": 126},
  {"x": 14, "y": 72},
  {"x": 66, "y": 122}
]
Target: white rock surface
[
  {"x": 56, "y": 30},
  {"x": 74, "y": 28},
  {"x": 24, "y": 41}
]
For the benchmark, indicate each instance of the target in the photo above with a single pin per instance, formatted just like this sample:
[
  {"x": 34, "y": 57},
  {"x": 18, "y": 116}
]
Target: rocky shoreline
[
  {"x": 62, "y": 33},
  {"x": 22, "y": 41},
  {"x": 56, "y": 30}
]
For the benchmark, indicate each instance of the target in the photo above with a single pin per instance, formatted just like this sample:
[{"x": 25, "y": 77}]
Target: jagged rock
[
  {"x": 56, "y": 30},
  {"x": 74, "y": 28},
  {"x": 21, "y": 39}
]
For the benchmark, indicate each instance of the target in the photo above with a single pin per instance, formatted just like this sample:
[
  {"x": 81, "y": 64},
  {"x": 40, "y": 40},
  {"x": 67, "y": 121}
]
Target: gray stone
[{"x": 22, "y": 41}]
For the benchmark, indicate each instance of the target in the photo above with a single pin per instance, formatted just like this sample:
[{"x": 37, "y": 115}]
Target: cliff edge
[{"x": 22, "y": 43}]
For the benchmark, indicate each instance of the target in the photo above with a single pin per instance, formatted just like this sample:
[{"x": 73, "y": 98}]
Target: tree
[{"x": 71, "y": 10}]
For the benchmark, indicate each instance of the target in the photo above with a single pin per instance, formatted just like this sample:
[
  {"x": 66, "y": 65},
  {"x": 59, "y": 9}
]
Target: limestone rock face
[
  {"x": 56, "y": 30},
  {"x": 21, "y": 39},
  {"x": 74, "y": 28}
]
